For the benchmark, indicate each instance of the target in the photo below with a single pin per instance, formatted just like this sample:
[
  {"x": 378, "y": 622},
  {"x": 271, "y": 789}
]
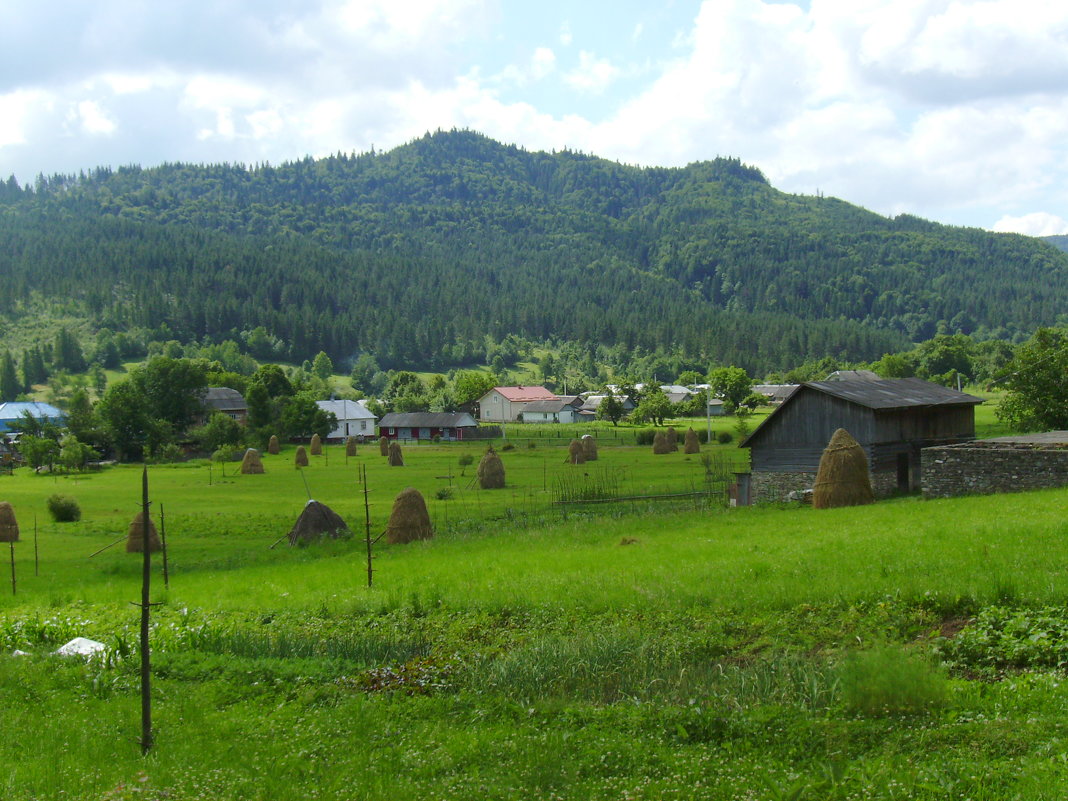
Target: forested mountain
[{"x": 418, "y": 254}]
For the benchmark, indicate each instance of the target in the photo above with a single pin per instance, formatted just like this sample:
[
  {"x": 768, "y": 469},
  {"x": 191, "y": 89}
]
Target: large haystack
[
  {"x": 589, "y": 448},
  {"x": 9, "y": 529},
  {"x": 672, "y": 438},
  {"x": 409, "y": 520},
  {"x": 491, "y": 471},
  {"x": 316, "y": 447},
  {"x": 251, "y": 464},
  {"x": 350, "y": 446},
  {"x": 273, "y": 447},
  {"x": 396, "y": 458},
  {"x": 843, "y": 478},
  {"x": 383, "y": 446},
  {"x": 300, "y": 459},
  {"x": 693, "y": 443},
  {"x": 661, "y": 444},
  {"x": 575, "y": 453},
  {"x": 318, "y": 522},
  {"x": 135, "y": 536}
]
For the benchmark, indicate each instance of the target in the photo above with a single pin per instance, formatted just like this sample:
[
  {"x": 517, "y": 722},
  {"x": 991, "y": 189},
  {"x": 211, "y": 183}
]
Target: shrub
[
  {"x": 508, "y": 446},
  {"x": 723, "y": 437},
  {"x": 444, "y": 494},
  {"x": 645, "y": 436},
  {"x": 64, "y": 509},
  {"x": 466, "y": 459},
  {"x": 166, "y": 454}
]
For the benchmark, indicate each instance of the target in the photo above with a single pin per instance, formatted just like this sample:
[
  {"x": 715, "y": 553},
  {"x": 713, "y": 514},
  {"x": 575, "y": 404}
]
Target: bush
[
  {"x": 444, "y": 494},
  {"x": 466, "y": 459},
  {"x": 167, "y": 454},
  {"x": 723, "y": 437},
  {"x": 645, "y": 436},
  {"x": 508, "y": 446},
  {"x": 64, "y": 509}
]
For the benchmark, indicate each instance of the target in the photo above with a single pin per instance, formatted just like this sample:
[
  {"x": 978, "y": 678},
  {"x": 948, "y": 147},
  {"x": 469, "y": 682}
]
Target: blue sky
[{"x": 954, "y": 110}]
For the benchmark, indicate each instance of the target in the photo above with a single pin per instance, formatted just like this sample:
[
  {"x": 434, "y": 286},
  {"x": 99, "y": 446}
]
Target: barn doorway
[{"x": 903, "y": 473}]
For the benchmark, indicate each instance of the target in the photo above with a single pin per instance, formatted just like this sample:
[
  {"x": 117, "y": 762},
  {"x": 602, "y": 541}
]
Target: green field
[{"x": 644, "y": 649}]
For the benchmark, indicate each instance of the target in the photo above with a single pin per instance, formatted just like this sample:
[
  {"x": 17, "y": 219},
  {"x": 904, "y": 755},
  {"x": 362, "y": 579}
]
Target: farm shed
[
  {"x": 1003, "y": 464},
  {"x": 353, "y": 419},
  {"x": 505, "y": 404},
  {"x": 892, "y": 420},
  {"x": 427, "y": 425}
]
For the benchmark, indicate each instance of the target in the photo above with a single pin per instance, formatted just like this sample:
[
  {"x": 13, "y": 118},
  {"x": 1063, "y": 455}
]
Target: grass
[{"x": 764, "y": 653}]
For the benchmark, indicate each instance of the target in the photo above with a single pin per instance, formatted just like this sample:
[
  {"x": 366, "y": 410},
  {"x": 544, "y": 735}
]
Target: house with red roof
[{"x": 505, "y": 404}]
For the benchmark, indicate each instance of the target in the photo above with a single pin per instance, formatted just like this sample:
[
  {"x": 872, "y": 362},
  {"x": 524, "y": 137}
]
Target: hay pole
[
  {"x": 307, "y": 489},
  {"x": 163, "y": 543},
  {"x": 146, "y": 606},
  {"x": 12, "y": 544},
  {"x": 112, "y": 545}
]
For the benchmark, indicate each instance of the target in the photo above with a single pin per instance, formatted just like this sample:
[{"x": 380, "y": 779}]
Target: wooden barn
[
  {"x": 427, "y": 425},
  {"x": 891, "y": 419}
]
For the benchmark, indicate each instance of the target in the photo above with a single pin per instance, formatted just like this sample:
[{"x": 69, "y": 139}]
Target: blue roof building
[{"x": 12, "y": 412}]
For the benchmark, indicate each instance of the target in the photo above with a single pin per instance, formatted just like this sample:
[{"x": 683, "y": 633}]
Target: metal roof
[
  {"x": 548, "y": 406},
  {"x": 12, "y": 410},
  {"x": 345, "y": 409},
  {"x": 427, "y": 420},
  {"x": 894, "y": 393},
  {"x": 520, "y": 394}
]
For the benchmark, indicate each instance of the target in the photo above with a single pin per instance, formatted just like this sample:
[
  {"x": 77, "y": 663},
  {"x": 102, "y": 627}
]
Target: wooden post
[
  {"x": 163, "y": 543},
  {"x": 367, "y": 526},
  {"x": 12, "y": 544},
  {"x": 146, "y": 578}
]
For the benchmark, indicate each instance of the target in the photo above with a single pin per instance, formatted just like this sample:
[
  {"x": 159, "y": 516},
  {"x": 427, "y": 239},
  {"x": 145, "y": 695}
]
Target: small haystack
[
  {"x": 316, "y": 446},
  {"x": 135, "y": 536},
  {"x": 273, "y": 447},
  {"x": 350, "y": 446},
  {"x": 251, "y": 464},
  {"x": 409, "y": 520},
  {"x": 661, "y": 444},
  {"x": 672, "y": 438},
  {"x": 491, "y": 471},
  {"x": 693, "y": 444},
  {"x": 396, "y": 458},
  {"x": 9, "y": 529},
  {"x": 843, "y": 478},
  {"x": 575, "y": 453},
  {"x": 589, "y": 448},
  {"x": 383, "y": 446},
  {"x": 318, "y": 522},
  {"x": 301, "y": 457}
]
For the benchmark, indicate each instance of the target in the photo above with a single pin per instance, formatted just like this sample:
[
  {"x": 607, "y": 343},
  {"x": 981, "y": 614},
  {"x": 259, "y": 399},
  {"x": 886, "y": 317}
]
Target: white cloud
[
  {"x": 592, "y": 75},
  {"x": 1039, "y": 223},
  {"x": 565, "y": 34},
  {"x": 542, "y": 63},
  {"x": 16, "y": 109},
  {"x": 93, "y": 119}
]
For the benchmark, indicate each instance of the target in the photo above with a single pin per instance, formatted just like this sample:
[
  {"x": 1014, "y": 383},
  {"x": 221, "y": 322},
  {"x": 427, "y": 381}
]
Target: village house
[
  {"x": 427, "y": 425},
  {"x": 353, "y": 419},
  {"x": 892, "y": 420},
  {"x": 565, "y": 409},
  {"x": 11, "y": 414},
  {"x": 505, "y": 404},
  {"x": 224, "y": 401}
]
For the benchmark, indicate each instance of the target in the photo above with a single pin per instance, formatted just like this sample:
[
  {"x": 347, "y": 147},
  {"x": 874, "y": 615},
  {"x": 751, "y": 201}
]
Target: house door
[{"x": 903, "y": 482}]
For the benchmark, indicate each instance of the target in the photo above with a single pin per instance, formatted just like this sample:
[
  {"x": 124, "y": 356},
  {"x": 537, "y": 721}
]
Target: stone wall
[
  {"x": 770, "y": 487},
  {"x": 979, "y": 468}
]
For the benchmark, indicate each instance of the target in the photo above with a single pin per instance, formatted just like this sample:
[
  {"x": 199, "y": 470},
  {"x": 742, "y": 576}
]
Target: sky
[{"x": 952, "y": 110}]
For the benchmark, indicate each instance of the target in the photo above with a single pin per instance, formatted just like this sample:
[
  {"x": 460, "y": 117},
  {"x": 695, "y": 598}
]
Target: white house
[
  {"x": 505, "y": 404},
  {"x": 558, "y": 410},
  {"x": 353, "y": 418}
]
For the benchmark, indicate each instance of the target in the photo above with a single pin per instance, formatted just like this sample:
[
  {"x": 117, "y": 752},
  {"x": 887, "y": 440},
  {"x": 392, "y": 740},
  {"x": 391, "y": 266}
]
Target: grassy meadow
[{"x": 647, "y": 649}]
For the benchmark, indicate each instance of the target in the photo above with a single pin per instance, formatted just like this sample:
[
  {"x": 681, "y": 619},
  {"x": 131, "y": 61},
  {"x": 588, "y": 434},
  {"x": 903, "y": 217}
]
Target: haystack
[
  {"x": 575, "y": 453},
  {"x": 491, "y": 471},
  {"x": 693, "y": 444},
  {"x": 135, "y": 536},
  {"x": 396, "y": 458},
  {"x": 661, "y": 443},
  {"x": 273, "y": 447},
  {"x": 672, "y": 438},
  {"x": 316, "y": 447},
  {"x": 843, "y": 478},
  {"x": 251, "y": 464},
  {"x": 383, "y": 446},
  {"x": 9, "y": 529},
  {"x": 301, "y": 457},
  {"x": 350, "y": 446},
  {"x": 409, "y": 520},
  {"x": 589, "y": 448},
  {"x": 318, "y": 522}
]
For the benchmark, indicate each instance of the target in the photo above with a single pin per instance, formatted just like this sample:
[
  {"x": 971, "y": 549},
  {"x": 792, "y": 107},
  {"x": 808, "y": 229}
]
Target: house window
[{"x": 363, "y": 425}]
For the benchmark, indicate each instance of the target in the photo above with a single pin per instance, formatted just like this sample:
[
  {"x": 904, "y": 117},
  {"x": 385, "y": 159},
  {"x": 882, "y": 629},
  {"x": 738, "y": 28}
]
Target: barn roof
[
  {"x": 880, "y": 396},
  {"x": 520, "y": 394}
]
